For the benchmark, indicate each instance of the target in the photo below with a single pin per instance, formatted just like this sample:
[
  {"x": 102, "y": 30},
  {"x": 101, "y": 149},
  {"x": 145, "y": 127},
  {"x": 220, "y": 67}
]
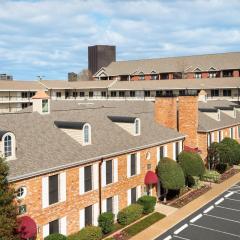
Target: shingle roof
[
  {"x": 175, "y": 64},
  {"x": 42, "y": 147},
  {"x": 122, "y": 119},
  {"x": 21, "y": 86}
]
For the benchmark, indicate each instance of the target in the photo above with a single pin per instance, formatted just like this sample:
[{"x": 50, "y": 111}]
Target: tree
[
  {"x": 8, "y": 206},
  {"x": 213, "y": 155},
  {"x": 85, "y": 75},
  {"x": 170, "y": 174}
]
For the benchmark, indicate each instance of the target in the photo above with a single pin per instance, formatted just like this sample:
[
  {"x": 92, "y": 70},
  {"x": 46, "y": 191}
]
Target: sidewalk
[{"x": 163, "y": 225}]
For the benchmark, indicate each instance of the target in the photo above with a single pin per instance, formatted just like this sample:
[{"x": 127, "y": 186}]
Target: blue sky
[{"x": 50, "y": 38}]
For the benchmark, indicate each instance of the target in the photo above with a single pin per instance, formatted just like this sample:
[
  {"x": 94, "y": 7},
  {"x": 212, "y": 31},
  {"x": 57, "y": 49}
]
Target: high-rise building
[
  {"x": 4, "y": 76},
  {"x": 100, "y": 56}
]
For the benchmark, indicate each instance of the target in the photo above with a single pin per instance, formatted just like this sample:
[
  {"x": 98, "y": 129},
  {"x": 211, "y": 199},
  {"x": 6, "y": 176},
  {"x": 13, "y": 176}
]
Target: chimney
[
  {"x": 188, "y": 118},
  {"x": 166, "y": 111},
  {"x": 41, "y": 102}
]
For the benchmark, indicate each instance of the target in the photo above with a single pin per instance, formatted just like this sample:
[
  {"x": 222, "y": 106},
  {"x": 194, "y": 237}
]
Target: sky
[{"x": 50, "y": 37}]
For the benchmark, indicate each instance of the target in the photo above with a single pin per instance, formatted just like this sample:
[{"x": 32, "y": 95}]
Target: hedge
[
  {"x": 170, "y": 174},
  {"x": 191, "y": 163},
  {"x": 106, "y": 221},
  {"x": 129, "y": 214},
  {"x": 87, "y": 233},
  {"x": 56, "y": 236},
  {"x": 148, "y": 203}
]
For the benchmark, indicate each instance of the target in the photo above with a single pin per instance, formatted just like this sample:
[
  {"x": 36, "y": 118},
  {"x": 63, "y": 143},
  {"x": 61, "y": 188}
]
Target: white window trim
[
  {"x": 139, "y": 127},
  {"x": 24, "y": 192},
  {"x": 89, "y": 134},
  {"x": 13, "y": 142}
]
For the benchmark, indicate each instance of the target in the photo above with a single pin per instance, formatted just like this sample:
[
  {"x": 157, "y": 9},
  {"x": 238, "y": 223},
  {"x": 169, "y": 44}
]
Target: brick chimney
[
  {"x": 188, "y": 119},
  {"x": 166, "y": 111}
]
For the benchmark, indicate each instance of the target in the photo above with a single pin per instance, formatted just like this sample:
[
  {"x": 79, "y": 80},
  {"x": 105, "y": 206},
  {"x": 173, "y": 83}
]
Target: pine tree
[{"x": 8, "y": 206}]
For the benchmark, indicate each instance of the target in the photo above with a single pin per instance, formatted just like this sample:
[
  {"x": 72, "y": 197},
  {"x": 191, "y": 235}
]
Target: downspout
[{"x": 100, "y": 185}]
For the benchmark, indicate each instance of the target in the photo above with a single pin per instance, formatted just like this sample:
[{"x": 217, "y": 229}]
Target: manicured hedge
[
  {"x": 170, "y": 174},
  {"x": 106, "y": 221},
  {"x": 55, "y": 236},
  {"x": 87, "y": 233},
  {"x": 130, "y": 214},
  {"x": 191, "y": 163},
  {"x": 148, "y": 203}
]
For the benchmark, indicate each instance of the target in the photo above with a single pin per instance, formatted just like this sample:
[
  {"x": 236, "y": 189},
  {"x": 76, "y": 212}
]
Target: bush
[
  {"x": 106, "y": 221},
  {"x": 221, "y": 167},
  {"x": 191, "y": 163},
  {"x": 148, "y": 203},
  {"x": 130, "y": 214},
  {"x": 211, "y": 176},
  {"x": 170, "y": 174},
  {"x": 55, "y": 236},
  {"x": 213, "y": 155},
  {"x": 87, "y": 233}
]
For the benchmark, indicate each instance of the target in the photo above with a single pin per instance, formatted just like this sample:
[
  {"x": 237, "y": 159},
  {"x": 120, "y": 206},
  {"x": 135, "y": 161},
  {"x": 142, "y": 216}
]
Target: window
[
  {"x": 88, "y": 215},
  {"x": 212, "y": 74},
  {"x": 164, "y": 76},
  {"x": 86, "y": 134},
  {"x": 8, "y": 145},
  {"x": 121, "y": 94},
  {"x": 161, "y": 152},
  {"x": 90, "y": 94},
  {"x": 24, "y": 94},
  {"x": 231, "y": 133},
  {"x": 110, "y": 204},
  {"x": 177, "y": 149},
  {"x": 132, "y": 93},
  {"x": 24, "y": 105},
  {"x": 198, "y": 75},
  {"x": 214, "y": 92},
  {"x": 21, "y": 192},
  {"x": 103, "y": 94},
  {"x": 169, "y": 93},
  {"x": 238, "y": 131},
  {"x": 82, "y": 94},
  {"x": 53, "y": 189},
  {"x": 146, "y": 93},
  {"x": 227, "y": 73},
  {"x": 58, "y": 94},
  {"x": 154, "y": 76},
  {"x": 109, "y": 172},
  {"x": 133, "y": 195},
  {"x": 88, "y": 178},
  {"x": 209, "y": 139},
  {"x": 159, "y": 93},
  {"x": 141, "y": 76},
  {"x": 45, "y": 105},
  {"x": 113, "y": 94},
  {"x": 177, "y": 75},
  {"x": 133, "y": 169},
  {"x": 54, "y": 227},
  {"x": 181, "y": 92},
  {"x": 227, "y": 92},
  {"x": 137, "y": 127},
  {"x": 219, "y": 136},
  {"x": 75, "y": 94}
]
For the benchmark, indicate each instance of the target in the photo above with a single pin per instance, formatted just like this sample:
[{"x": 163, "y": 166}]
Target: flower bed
[
  {"x": 182, "y": 201},
  {"x": 228, "y": 174}
]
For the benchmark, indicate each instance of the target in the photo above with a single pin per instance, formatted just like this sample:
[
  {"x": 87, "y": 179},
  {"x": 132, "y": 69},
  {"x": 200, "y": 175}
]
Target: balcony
[{"x": 11, "y": 99}]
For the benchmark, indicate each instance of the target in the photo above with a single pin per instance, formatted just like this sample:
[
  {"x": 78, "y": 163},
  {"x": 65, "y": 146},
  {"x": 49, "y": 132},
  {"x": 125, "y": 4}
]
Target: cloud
[{"x": 51, "y": 37}]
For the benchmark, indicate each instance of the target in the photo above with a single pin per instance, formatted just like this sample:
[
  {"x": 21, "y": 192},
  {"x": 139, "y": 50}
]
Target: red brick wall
[
  {"x": 205, "y": 74},
  {"x": 236, "y": 73},
  {"x": 190, "y": 75}
]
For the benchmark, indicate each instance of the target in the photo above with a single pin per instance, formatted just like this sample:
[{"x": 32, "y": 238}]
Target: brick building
[{"x": 68, "y": 165}]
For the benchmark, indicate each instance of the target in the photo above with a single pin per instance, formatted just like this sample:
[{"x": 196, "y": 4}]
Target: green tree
[
  {"x": 8, "y": 206},
  {"x": 213, "y": 155}
]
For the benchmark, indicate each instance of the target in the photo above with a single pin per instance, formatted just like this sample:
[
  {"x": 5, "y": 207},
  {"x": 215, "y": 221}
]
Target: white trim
[
  {"x": 129, "y": 193},
  {"x": 115, "y": 205},
  {"x": 139, "y": 127},
  {"x": 138, "y": 162},
  {"x": 104, "y": 174},
  {"x": 45, "y": 192},
  {"x": 174, "y": 151},
  {"x": 139, "y": 193},
  {"x": 212, "y": 137},
  {"x": 89, "y": 134},
  {"x": 45, "y": 230},
  {"x": 128, "y": 165},
  {"x": 62, "y": 178},
  {"x": 165, "y": 151},
  {"x": 104, "y": 205},
  {"x": 82, "y": 218},
  {"x": 81, "y": 181},
  {"x": 95, "y": 176},
  {"x": 158, "y": 154},
  {"x": 115, "y": 170},
  {"x": 95, "y": 214},
  {"x": 63, "y": 225},
  {"x": 13, "y": 146}
]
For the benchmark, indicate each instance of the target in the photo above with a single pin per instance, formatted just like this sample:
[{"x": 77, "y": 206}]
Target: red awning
[
  {"x": 151, "y": 178},
  {"x": 191, "y": 149},
  {"x": 27, "y": 227}
]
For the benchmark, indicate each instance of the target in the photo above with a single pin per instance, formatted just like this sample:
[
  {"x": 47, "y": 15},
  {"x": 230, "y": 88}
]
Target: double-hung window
[
  {"x": 54, "y": 227},
  {"x": 133, "y": 195},
  {"x": 53, "y": 189},
  {"x": 88, "y": 215},
  {"x": 88, "y": 178},
  {"x": 109, "y": 203},
  {"x": 109, "y": 171},
  {"x": 133, "y": 165}
]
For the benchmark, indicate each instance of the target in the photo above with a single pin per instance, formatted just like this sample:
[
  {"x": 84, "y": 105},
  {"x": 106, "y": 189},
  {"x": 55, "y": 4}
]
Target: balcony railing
[{"x": 6, "y": 99}]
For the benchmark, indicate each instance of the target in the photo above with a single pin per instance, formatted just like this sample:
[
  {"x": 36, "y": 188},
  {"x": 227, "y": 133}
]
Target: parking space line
[
  {"x": 229, "y": 194},
  {"x": 215, "y": 230},
  {"x": 208, "y": 209},
  {"x": 219, "y": 201},
  {"x": 168, "y": 237},
  {"x": 227, "y": 219},
  {"x": 182, "y": 238},
  {"x": 196, "y": 218},
  {"x": 181, "y": 229},
  {"x": 233, "y": 209},
  {"x": 236, "y": 200}
]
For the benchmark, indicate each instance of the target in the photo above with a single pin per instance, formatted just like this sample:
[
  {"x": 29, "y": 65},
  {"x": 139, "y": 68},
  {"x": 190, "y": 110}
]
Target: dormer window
[
  {"x": 137, "y": 126},
  {"x": 45, "y": 105},
  {"x": 8, "y": 146},
  {"x": 86, "y": 134},
  {"x": 141, "y": 76}
]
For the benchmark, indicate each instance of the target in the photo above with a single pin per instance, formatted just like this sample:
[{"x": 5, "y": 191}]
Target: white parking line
[
  {"x": 226, "y": 219},
  {"x": 196, "y": 218},
  {"x": 168, "y": 237},
  {"x": 211, "y": 229},
  {"x": 236, "y": 200},
  {"x": 181, "y": 229},
  {"x": 182, "y": 238},
  {"x": 219, "y": 201},
  {"x": 233, "y": 209},
  {"x": 208, "y": 209},
  {"x": 229, "y": 194}
]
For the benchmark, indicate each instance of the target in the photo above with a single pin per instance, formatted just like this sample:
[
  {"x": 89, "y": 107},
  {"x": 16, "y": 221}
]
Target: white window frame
[
  {"x": 137, "y": 131},
  {"x": 89, "y": 134},
  {"x": 13, "y": 146}
]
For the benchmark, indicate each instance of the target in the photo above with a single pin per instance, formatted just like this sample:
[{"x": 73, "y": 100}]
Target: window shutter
[
  {"x": 128, "y": 165},
  {"x": 103, "y": 174},
  {"x": 128, "y": 197},
  {"x": 81, "y": 180},
  {"x": 95, "y": 214},
  {"x": 115, "y": 170},
  {"x": 138, "y": 163},
  {"x": 138, "y": 192},
  {"x": 180, "y": 146},
  {"x": 95, "y": 176},
  {"x": 115, "y": 206},
  {"x": 165, "y": 151},
  {"x": 221, "y": 135},
  {"x": 233, "y": 132},
  {"x": 63, "y": 187},
  {"x": 45, "y": 230},
  {"x": 45, "y": 192},
  {"x": 212, "y": 137},
  {"x": 82, "y": 219},
  {"x": 174, "y": 151},
  {"x": 158, "y": 154},
  {"x": 63, "y": 226},
  {"x": 104, "y": 205}
]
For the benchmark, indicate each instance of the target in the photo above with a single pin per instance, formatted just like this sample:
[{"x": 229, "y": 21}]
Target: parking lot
[{"x": 218, "y": 220}]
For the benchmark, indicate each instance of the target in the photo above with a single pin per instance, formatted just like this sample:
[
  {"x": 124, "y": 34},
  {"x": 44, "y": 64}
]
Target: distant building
[
  {"x": 4, "y": 76},
  {"x": 100, "y": 56}
]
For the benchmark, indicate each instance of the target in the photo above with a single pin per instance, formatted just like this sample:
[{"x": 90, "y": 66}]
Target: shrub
[
  {"x": 106, "y": 221},
  {"x": 130, "y": 214},
  {"x": 221, "y": 167},
  {"x": 213, "y": 155},
  {"x": 87, "y": 233},
  {"x": 148, "y": 203},
  {"x": 170, "y": 174},
  {"x": 55, "y": 236},
  {"x": 191, "y": 163},
  {"x": 229, "y": 142},
  {"x": 211, "y": 176}
]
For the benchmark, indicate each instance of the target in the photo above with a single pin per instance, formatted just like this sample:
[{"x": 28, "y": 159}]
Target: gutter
[
  {"x": 69, "y": 165},
  {"x": 221, "y": 128}
]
